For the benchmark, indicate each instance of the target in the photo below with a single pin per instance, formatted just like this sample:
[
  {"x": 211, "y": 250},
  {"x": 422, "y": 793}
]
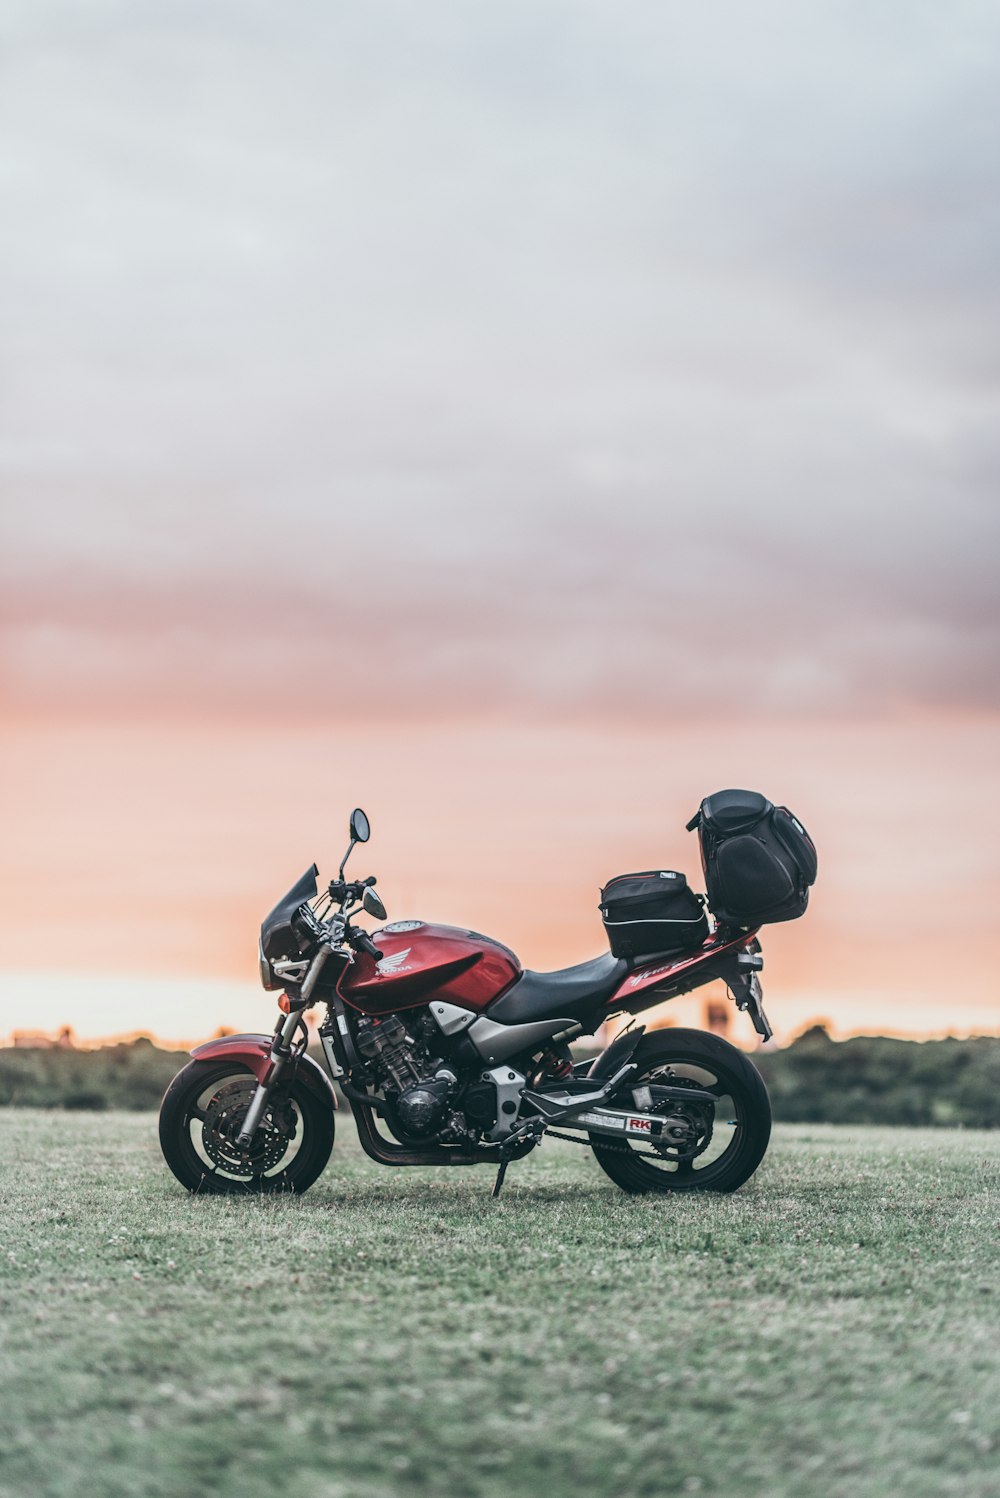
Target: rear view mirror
[
  {"x": 360, "y": 833},
  {"x": 373, "y": 904}
]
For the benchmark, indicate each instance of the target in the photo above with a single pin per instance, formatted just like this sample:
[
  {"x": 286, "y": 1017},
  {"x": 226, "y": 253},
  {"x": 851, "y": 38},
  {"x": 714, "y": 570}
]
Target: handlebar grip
[{"x": 364, "y": 943}]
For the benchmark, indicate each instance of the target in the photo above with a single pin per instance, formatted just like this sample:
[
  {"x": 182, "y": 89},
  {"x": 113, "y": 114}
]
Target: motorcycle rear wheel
[
  {"x": 740, "y": 1129},
  {"x": 200, "y": 1115}
]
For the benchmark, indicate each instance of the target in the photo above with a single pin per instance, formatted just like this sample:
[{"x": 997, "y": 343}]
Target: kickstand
[
  {"x": 502, "y": 1171},
  {"x": 532, "y": 1128}
]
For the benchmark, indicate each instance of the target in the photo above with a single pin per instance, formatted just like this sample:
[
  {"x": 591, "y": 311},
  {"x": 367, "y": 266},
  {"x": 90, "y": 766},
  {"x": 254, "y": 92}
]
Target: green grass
[{"x": 830, "y": 1330}]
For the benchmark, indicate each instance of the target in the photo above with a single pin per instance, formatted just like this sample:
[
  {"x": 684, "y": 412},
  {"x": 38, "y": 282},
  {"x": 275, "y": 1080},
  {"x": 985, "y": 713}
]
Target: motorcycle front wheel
[
  {"x": 710, "y": 1146},
  {"x": 200, "y": 1119}
]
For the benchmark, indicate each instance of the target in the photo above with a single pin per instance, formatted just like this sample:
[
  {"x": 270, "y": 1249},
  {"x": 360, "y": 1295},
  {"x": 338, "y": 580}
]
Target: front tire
[
  {"x": 200, "y": 1117},
  {"x": 737, "y": 1128}
]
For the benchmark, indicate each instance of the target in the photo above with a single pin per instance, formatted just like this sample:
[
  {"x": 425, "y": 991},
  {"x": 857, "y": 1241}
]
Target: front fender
[{"x": 254, "y": 1052}]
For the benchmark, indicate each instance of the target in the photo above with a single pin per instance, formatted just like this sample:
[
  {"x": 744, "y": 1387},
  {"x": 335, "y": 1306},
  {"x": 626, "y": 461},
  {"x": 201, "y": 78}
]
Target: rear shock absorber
[{"x": 555, "y": 1063}]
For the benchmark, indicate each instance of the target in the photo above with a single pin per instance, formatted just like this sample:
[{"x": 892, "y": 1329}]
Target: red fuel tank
[{"x": 422, "y": 961}]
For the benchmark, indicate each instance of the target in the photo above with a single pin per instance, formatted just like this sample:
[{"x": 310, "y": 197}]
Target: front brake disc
[{"x": 223, "y": 1120}]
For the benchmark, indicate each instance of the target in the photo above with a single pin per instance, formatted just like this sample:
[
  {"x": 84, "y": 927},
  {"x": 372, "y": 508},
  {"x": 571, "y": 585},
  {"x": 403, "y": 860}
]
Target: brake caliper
[{"x": 221, "y": 1126}]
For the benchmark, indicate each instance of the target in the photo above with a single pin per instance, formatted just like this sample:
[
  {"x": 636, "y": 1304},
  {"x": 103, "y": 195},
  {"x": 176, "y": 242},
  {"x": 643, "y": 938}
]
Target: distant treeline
[
  {"x": 872, "y": 1079},
  {"x": 133, "y": 1075},
  {"x": 814, "y": 1080}
]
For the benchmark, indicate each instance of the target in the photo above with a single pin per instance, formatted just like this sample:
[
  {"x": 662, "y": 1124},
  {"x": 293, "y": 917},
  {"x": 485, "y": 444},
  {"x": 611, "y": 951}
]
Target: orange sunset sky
[{"x": 521, "y": 423}]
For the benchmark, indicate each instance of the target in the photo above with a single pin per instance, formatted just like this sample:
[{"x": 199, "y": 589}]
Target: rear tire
[
  {"x": 698, "y": 1056},
  {"x": 191, "y": 1132}
]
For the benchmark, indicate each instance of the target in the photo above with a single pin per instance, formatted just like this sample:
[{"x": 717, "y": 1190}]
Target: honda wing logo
[{"x": 393, "y": 964}]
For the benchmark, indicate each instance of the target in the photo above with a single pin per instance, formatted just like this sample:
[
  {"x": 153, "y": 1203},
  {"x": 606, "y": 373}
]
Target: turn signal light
[{"x": 285, "y": 1003}]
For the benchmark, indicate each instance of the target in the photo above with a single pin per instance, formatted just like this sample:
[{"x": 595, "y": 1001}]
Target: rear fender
[
  {"x": 254, "y": 1052},
  {"x": 617, "y": 1053}
]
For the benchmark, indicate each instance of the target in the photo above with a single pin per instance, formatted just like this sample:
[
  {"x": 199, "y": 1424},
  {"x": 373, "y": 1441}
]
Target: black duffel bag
[
  {"x": 759, "y": 860},
  {"x": 653, "y": 912}
]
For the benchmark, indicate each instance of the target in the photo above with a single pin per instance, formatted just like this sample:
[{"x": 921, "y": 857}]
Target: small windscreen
[{"x": 304, "y": 889}]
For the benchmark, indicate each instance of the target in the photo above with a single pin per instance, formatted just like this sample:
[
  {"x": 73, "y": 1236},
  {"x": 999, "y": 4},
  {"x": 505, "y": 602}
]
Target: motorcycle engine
[
  {"x": 418, "y": 1087},
  {"x": 423, "y": 1109}
]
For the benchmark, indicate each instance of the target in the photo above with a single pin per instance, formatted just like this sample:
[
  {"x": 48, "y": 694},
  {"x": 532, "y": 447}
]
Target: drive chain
[{"x": 606, "y": 1144}]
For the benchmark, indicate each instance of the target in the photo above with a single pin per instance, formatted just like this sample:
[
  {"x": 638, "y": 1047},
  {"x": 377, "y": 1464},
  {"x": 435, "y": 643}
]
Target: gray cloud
[{"x": 583, "y": 357}]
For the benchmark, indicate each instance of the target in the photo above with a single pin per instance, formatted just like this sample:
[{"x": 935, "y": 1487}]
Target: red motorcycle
[{"x": 448, "y": 1053}]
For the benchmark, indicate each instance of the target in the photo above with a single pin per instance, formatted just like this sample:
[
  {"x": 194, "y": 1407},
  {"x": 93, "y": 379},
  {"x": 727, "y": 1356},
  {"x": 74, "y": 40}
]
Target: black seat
[{"x": 570, "y": 992}]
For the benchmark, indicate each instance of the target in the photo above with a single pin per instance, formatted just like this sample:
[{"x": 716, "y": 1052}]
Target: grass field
[{"x": 830, "y": 1330}]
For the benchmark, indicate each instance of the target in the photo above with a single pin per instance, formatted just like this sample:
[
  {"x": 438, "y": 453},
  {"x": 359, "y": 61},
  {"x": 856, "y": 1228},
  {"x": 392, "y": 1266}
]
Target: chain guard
[{"x": 221, "y": 1126}]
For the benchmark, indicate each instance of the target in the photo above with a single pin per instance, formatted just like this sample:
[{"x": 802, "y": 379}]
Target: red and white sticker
[{"x": 630, "y": 1124}]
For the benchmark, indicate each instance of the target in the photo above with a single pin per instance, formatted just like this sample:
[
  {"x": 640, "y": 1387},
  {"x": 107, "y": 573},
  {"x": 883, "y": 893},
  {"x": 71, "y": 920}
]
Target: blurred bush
[
  {"x": 870, "y": 1079},
  {"x": 131, "y": 1075}
]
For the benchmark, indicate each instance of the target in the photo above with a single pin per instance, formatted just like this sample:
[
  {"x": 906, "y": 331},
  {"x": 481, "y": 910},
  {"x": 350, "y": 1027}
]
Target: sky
[{"x": 522, "y": 421}]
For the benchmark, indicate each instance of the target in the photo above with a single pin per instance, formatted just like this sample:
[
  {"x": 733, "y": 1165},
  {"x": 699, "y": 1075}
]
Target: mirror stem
[{"x": 343, "y": 861}]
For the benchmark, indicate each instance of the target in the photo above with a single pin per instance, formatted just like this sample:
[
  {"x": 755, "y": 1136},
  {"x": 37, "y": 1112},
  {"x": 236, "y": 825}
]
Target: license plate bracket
[{"x": 749, "y": 995}]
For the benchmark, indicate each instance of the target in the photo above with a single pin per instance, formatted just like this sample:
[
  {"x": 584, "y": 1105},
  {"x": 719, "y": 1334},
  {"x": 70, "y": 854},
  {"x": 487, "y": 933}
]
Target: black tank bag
[
  {"x": 759, "y": 861},
  {"x": 653, "y": 912}
]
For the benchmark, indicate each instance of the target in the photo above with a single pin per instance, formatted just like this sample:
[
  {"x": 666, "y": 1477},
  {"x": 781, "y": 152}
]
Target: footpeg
[{"x": 556, "y": 1106}]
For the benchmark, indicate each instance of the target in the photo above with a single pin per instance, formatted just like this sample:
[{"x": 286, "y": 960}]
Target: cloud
[
  {"x": 547, "y": 361},
  {"x": 649, "y": 632}
]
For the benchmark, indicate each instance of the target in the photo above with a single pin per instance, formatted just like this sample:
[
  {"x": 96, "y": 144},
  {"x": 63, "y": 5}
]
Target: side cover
[{"x": 657, "y": 979}]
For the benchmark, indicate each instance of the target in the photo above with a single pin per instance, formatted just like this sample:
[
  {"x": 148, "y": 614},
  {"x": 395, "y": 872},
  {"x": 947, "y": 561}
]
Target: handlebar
[
  {"x": 353, "y": 887},
  {"x": 363, "y": 942}
]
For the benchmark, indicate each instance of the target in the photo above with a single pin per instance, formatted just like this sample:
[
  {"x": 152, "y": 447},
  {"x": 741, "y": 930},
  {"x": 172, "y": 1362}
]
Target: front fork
[{"x": 281, "y": 1051}]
